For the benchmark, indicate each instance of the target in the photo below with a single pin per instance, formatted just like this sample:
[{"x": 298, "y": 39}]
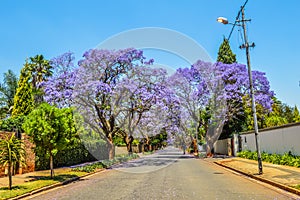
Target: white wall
[
  {"x": 223, "y": 147},
  {"x": 276, "y": 140}
]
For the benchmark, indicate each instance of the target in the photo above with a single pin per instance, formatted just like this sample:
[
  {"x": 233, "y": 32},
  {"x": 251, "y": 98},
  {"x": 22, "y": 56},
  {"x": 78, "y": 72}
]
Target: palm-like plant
[
  {"x": 7, "y": 92},
  {"x": 11, "y": 153},
  {"x": 40, "y": 69}
]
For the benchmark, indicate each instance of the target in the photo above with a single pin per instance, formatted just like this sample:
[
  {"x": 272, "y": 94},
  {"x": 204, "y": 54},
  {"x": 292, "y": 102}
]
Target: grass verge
[
  {"x": 37, "y": 183},
  {"x": 44, "y": 180},
  {"x": 297, "y": 187}
]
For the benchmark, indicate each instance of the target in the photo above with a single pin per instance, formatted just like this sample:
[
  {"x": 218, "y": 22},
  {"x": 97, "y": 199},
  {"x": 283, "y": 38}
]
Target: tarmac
[{"x": 284, "y": 177}]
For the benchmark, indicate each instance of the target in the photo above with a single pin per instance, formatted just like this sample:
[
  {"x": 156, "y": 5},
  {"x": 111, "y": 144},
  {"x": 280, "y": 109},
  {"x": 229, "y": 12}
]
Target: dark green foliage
[
  {"x": 74, "y": 155},
  {"x": 285, "y": 159},
  {"x": 106, "y": 163},
  {"x": 40, "y": 69},
  {"x": 23, "y": 100},
  {"x": 225, "y": 54},
  {"x": 7, "y": 92},
  {"x": 159, "y": 140},
  {"x": 12, "y": 124}
]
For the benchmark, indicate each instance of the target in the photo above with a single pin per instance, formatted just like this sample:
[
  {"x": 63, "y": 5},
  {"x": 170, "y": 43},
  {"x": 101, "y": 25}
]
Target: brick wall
[{"x": 30, "y": 156}]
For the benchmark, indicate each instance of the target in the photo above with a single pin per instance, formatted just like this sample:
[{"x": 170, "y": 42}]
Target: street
[{"x": 166, "y": 174}]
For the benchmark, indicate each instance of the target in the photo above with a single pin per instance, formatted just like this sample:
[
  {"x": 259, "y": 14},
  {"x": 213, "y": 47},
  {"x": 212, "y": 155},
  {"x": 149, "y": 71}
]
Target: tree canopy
[{"x": 51, "y": 129}]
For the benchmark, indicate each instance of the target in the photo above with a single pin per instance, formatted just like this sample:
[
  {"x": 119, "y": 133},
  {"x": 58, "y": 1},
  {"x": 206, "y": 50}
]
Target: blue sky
[{"x": 53, "y": 27}]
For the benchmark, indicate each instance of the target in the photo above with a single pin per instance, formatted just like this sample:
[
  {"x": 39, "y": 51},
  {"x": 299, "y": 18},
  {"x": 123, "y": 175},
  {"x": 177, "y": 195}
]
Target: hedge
[{"x": 285, "y": 159}]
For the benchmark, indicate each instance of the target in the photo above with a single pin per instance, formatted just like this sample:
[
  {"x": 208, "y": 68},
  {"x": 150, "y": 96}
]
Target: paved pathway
[{"x": 165, "y": 175}]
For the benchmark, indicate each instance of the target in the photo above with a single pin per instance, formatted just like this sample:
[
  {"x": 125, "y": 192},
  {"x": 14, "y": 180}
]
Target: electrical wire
[{"x": 236, "y": 19}]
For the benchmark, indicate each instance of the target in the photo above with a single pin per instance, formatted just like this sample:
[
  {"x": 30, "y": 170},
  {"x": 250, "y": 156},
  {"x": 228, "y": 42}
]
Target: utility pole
[{"x": 246, "y": 46}]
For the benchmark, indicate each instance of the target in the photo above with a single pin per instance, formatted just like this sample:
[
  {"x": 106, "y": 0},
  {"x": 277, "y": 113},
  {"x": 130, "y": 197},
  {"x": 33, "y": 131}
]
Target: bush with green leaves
[
  {"x": 106, "y": 163},
  {"x": 51, "y": 130},
  {"x": 285, "y": 159}
]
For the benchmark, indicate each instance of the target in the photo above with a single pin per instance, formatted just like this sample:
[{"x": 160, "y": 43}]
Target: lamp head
[{"x": 222, "y": 20}]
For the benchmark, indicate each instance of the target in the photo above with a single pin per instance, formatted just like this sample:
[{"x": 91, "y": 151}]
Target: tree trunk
[
  {"x": 51, "y": 166},
  {"x": 9, "y": 176},
  {"x": 111, "y": 150},
  {"x": 130, "y": 140},
  {"x": 209, "y": 150}
]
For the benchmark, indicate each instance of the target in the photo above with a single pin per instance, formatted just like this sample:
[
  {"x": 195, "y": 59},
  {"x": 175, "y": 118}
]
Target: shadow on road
[{"x": 158, "y": 160}]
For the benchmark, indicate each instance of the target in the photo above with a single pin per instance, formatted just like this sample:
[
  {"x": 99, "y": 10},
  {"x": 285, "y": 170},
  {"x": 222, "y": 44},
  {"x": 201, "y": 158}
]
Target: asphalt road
[{"x": 165, "y": 175}]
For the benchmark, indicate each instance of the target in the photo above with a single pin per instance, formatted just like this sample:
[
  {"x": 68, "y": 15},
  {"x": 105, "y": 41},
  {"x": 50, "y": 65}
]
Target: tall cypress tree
[
  {"x": 225, "y": 54},
  {"x": 23, "y": 100},
  {"x": 236, "y": 121}
]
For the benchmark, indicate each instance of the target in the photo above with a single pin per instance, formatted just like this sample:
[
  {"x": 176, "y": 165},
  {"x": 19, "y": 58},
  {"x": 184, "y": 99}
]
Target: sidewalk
[{"x": 284, "y": 177}]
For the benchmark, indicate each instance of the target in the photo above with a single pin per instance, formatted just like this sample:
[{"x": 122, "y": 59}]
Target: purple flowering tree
[
  {"x": 191, "y": 89},
  {"x": 98, "y": 93},
  {"x": 216, "y": 87},
  {"x": 59, "y": 87},
  {"x": 116, "y": 92},
  {"x": 141, "y": 91}
]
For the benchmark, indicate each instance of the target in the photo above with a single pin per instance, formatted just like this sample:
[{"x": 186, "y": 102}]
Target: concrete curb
[
  {"x": 281, "y": 186},
  {"x": 49, "y": 187},
  {"x": 63, "y": 183}
]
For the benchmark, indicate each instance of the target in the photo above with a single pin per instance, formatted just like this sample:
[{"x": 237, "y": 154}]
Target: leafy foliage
[
  {"x": 23, "y": 100},
  {"x": 51, "y": 129},
  {"x": 225, "y": 54},
  {"x": 105, "y": 163},
  {"x": 39, "y": 70},
  {"x": 11, "y": 153},
  {"x": 285, "y": 159},
  {"x": 12, "y": 124},
  {"x": 7, "y": 92},
  {"x": 73, "y": 155}
]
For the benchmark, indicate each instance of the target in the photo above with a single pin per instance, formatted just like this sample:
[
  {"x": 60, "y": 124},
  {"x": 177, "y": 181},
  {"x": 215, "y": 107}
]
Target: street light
[
  {"x": 222, "y": 20},
  {"x": 246, "y": 45}
]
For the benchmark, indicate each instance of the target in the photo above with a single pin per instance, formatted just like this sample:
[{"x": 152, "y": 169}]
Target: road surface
[{"x": 165, "y": 175}]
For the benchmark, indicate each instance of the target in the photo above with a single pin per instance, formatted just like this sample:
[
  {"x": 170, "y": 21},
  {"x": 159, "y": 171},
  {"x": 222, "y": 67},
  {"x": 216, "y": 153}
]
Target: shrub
[
  {"x": 285, "y": 159},
  {"x": 105, "y": 163}
]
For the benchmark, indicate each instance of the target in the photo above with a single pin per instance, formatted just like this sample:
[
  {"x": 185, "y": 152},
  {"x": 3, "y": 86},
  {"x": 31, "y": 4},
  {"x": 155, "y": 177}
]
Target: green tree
[
  {"x": 40, "y": 69},
  {"x": 7, "y": 92},
  {"x": 23, "y": 100},
  {"x": 51, "y": 129},
  {"x": 277, "y": 116},
  {"x": 12, "y": 124},
  {"x": 296, "y": 115},
  {"x": 225, "y": 54},
  {"x": 11, "y": 153},
  {"x": 288, "y": 113}
]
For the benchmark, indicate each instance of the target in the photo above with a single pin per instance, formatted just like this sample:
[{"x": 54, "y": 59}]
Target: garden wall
[
  {"x": 277, "y": 140},
  {"x": 30, "y": 156},
  {"x": 223, "y": 147}
]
